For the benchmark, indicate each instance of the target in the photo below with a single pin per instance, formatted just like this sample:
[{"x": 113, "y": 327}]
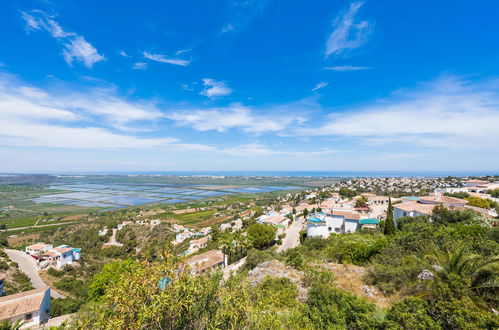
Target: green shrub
[
  {"x": 256, "y": 257},
  {"x": 55, "y": 273},
  {"x": 277, "y": 292}
]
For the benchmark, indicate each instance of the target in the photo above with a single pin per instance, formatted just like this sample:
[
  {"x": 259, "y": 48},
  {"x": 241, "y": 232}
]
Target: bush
[
  {"x": 54, "y": 272},
  {"x": 330, "y": 308},
  {"x": 256, "y": 257},
  {"x": 277, "y": 292},
  {"x": 64, "y": 306},
  {"x": 294, "y": 259},
  {"x": 4, "y": 265}
]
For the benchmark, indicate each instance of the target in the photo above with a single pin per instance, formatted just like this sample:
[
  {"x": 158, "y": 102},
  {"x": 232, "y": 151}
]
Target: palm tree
[
  {"x": 482, "y": 271},
  {"x": 225, "y": 247},
  {"x": 6, "y": 325}
]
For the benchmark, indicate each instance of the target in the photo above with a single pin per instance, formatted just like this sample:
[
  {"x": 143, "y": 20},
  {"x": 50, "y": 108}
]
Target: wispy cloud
[
  {"x": 447, "y": 113},
  {"x": 75, "y": 47},
  {"x": 214, "y": 88},
  {"x": 256, "y": 149},
  {"x": 140, "y": 66},
  {"x": 239, "y": 116},
  {"x": 164, "y": 59},
  {"x": 123, "y": 53},
  {"x": 182, "y": 51},
  {"x": 62, "y": 118},
  {"x": 242, "y": 13},
  {"x": 320, "y": 85},
  {"x": 346, "y": 68},
  {"x": 347, "y": 33}
]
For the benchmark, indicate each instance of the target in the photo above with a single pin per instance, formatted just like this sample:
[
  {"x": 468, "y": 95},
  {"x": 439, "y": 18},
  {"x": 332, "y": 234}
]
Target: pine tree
[{"x": 390, "y": 222}]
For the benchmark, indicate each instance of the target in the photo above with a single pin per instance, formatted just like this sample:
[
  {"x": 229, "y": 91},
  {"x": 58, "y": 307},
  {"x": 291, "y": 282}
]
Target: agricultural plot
[{"x": 115, "y": 195}]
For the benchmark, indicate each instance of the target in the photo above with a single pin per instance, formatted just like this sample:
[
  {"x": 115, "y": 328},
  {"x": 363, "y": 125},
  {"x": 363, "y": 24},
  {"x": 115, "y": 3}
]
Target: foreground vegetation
[{"x": 444, "y": 275}]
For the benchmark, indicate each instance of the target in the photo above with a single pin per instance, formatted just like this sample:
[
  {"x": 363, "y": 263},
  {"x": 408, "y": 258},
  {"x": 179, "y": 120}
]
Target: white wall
[
  {"x": 317, "y": 230},
  {"x": 351, "y": 226}
]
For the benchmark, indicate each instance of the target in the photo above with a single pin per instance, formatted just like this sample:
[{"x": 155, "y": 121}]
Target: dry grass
[
  {"x": 20, "y": 240},
  {"x": 350, "y": 278}
]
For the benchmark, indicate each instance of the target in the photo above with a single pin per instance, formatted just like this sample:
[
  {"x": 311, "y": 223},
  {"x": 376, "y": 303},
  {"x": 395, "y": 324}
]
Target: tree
[
  {"x": 390, "y": 221},
  {"x": 347, "y": 193},
  {"x": 361, "y": 201},
  {"x": 261, "y": 235},
  {"x": 110, "y": 274},
  {"x": 483, "y": 279}
]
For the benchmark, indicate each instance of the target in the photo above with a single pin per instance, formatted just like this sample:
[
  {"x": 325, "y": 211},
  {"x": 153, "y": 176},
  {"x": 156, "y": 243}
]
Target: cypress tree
[{"x": 390, "y": 222}]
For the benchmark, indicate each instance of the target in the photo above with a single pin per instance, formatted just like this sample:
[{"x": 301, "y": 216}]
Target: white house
[
  {"x": 32, "y": 307},
  {"x": 38, "y": 248},
  {"x": 425, "y": 205},
  {"x": 197, "y": 244},
  {"x": 337, "y": 222},
  {"x": 233, "y": 225},
  {"x": 60, "y": 256}
]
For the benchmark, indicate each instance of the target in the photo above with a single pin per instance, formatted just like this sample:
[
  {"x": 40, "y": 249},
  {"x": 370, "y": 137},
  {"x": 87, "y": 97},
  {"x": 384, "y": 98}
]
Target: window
[
  {"x": 28, "y": 317},
  {"x": 329, "y": 228},
  {"x": 337, "y": 229}
]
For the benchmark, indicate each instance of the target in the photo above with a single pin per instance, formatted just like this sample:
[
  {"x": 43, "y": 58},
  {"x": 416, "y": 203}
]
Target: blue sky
[{"x": 248, "y": 85}]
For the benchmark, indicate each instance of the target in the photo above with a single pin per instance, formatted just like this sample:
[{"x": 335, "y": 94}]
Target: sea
[{"x": 311, "y": 174}]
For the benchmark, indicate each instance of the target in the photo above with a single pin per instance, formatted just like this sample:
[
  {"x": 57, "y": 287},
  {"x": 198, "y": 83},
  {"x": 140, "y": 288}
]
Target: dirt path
[
  {"x": 112, "y": 239},
  {"x": 27, "y": 265}
]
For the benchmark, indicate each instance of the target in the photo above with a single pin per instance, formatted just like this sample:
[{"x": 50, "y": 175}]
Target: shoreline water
[{"x": 284, "y": 174}]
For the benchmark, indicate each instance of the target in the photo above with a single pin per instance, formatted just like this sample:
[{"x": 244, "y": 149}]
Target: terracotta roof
[
  {"x": 201, "y": 240},
  {"x": 368, "y": 195},
  {"x": 62, "y": 250},
  {"x": 207, "y": 260},
  {"x": 347, "y": 215},
  {"x": 476, "y": 181},
  {"x": 453, "y": 200},
  {"x": 443, "y": 199},
  {"x": 379, "y": 198},
  {"x": 21, "y": 303},
  {"x": 415, "y": 206},
  {"x": 38, "y": 246}
]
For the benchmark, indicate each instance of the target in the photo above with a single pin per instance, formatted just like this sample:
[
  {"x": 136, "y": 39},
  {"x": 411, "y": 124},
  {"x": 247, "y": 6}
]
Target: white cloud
[
  {"x": 258, "y": 150},
  {"x": 320, "y": 85},
  {"x": 227, "y": 28},
  {"x": 448, "y": 113},
  {"x": 62, "y": 118},
  {"x": 346, "y": 68},
  {"x": 76, "y": 48},
  {"x": 347, "y": 35},
  {"x": 80, "y": 50},
  {"x": 140, "y": 66},
  {"x": 215, "y": 88},
  {"x": 235, "y": 116},
  {"x": 182, "y": 51},
  {"x": 123, "y": 53},
  {"x": 164, "y": 59}
]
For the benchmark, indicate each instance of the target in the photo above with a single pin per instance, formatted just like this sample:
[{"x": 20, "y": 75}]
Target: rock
[{"x": 426, "y": 275}]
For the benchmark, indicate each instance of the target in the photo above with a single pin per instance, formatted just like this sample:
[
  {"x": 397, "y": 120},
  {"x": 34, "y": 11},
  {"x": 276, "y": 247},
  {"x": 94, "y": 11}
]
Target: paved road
[
  {"x": 35, "y": 226},
  {"x": 292, "y": 238},
  {"x": 27, "y": 265}
]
